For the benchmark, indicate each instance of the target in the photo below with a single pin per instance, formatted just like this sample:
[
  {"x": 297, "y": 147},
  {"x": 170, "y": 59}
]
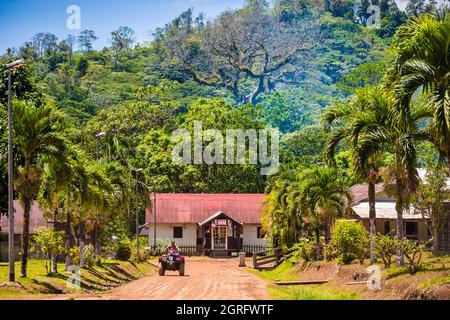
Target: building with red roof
[{"x": 218, "y": 223}]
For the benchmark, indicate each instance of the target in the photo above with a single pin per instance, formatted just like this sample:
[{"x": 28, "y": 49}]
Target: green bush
[
  {"x": 123, "y": 250},
  {"x": 114, "y": 235},
  {"x": 144, "y": 252},
  {"x": 304, "y": 249},
  {"x": 413, "y": 253},
  {"x": 329, "y": 252},
  {"x": 351, "y": 241},
  {"x": 89, "y": 255},
  {"x": 50, "y": 243},
  {"x": 74, "y": 254},
  {"x": 386, "y": 248}
]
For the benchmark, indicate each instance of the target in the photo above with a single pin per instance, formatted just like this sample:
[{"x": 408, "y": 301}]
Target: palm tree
[
  {"x": 280, "y": 218},
  {"x": 323, "y": 196},
  {"x": 66, "y": 187},
  {"x": 352, "y": 119},
  {"x": 38, "y": 140},
  {"x": 385, "y": 128},
  {"x": 422, "y": 65}
]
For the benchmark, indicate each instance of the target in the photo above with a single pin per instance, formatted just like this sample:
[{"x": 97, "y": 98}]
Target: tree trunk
[
  {"x": 68, "y": 236},
  {"x": 372, "y": 223},
  {"x": 55, "y": 263},
  {"x": 448, "y": 158},
  {"x": 399, "y": 208},
  {"x": 97, "y": 240},
  {"x": 318, "y": 256},
  {"x": 81, "y": 244},
  {"x": 435, "y": 240},
  {"x": 25, "y": 235},
  {"x": 327, "y": 232}
]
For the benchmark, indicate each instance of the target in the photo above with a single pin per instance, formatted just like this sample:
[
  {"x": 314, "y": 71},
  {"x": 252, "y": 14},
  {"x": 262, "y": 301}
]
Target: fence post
[{"x": 254, "y": 260}]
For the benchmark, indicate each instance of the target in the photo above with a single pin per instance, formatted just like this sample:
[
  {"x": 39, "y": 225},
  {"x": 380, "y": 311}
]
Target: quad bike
[{"x": 172, "y": 261}]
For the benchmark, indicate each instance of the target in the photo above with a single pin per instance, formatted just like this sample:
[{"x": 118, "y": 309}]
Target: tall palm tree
[
  {"x": 66, "y": 187},
  {"x": 421, "y": 65},
  {"x": 280, "y": 218},
  {"x": 386, "y": 129},
  {"x": 351, "y": 120},
  {"x": 38, "y": 139}
]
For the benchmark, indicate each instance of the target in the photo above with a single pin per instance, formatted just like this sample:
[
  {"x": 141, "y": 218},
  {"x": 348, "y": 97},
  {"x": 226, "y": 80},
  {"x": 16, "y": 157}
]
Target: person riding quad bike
[
  {"x": 172, "y": 260},
  {"x": 172, "y": 247}
]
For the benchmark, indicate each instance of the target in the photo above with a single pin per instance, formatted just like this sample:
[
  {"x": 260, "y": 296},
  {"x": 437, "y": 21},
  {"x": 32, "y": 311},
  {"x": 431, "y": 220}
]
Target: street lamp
[
  {"x": 136, "y": 211},
  {"x": 11, "y": 257}
]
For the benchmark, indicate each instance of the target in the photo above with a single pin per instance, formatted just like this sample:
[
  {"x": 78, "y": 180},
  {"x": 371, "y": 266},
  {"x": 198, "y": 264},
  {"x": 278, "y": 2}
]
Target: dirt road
[{"x": 217, "y": 279}]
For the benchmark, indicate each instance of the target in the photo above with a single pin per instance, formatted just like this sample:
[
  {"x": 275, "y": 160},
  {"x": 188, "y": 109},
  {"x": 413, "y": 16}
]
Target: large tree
[
  {"x": 38, "y": 140},
  {"x": 248, "y": 52},
  {"x": 421, "y": 66},
  {"x": 348, "y": 121},
  {"x": 86, "y": 40},
  {"x": 384, "y": 128}
]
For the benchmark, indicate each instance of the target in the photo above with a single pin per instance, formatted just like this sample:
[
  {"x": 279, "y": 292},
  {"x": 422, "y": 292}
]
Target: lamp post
[
  {"x": 136, "y": 211},
  {"x": 11, "y": 257}
]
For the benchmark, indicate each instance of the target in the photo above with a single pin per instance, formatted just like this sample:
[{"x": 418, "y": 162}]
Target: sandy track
[{"x": 218, "y": 279}]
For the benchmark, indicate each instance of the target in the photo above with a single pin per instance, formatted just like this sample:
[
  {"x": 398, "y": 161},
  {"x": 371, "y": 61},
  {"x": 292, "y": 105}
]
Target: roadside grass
[
  {"x": 287, "y": 272},
  {"x": 108, "y": 275},
  {"x": 428, "y": 264},
  {"x": 438, "y": 280},
  {"x": 310, "y": 293}
]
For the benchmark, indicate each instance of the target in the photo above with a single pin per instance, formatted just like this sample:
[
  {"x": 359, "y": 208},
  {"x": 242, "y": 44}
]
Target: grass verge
[
  {"x": 101, "y": 278},
  {"x": 287, "y": 272}
]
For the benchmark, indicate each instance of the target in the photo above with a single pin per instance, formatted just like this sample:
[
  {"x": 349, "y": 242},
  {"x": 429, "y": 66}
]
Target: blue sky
[{"x": 21, "y": 19}]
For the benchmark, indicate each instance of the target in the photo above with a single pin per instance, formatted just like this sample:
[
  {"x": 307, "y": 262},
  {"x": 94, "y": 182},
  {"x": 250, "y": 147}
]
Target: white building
[{"x": 216, "y": 224}]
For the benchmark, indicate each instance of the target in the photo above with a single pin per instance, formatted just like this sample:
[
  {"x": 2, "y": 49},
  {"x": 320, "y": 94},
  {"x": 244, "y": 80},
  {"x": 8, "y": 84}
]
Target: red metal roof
[
  {"x": 360, "y": 192},
  {"x": 195, "y": 208},
  {"x": 36, "y": 219}
]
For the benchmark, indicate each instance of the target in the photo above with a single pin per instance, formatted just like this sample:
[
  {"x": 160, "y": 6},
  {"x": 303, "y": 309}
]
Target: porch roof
[{"x": 215, "y": 215}]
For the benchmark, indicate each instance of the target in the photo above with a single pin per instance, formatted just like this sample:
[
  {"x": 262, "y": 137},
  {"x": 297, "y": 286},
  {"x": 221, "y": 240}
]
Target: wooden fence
[
  {"x": 197, "y": 250},
  {"x": 252, "y": 249},
  {"x": 268, "y": 259},
  {"x": 187, "y": 250}
]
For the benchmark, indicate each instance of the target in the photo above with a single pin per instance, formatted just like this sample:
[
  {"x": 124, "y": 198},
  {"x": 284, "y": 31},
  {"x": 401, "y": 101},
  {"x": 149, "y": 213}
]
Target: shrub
[
  {"x": 74, "y": 254},
  {"x": 50, "y": 243},
  {"x": 330, "y": 252},
  {"x": 144, "y": 252},
  {"x": 123, "y": 250},
  {"x": 413, "y": 253},
  {"x": 386, "y": 248},
  {"x": 89, "y": 255},
  {"x": 114, "y": 232},
  {"x": 351, "y": 241},
  {"x": 304, "y": 249}
]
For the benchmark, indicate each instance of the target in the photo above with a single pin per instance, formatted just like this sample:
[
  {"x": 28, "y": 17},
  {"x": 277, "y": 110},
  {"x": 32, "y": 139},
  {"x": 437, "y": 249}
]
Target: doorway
[{"x": 220, "y": 237}]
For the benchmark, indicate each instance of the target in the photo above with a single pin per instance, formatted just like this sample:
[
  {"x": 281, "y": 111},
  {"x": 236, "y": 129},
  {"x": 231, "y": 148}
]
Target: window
[
  {"x": 412, "y": 230},
  {"x": 387, "y": 227},
  {"x": 178, "y": 232},
  {"x": 260, "y": 234}
]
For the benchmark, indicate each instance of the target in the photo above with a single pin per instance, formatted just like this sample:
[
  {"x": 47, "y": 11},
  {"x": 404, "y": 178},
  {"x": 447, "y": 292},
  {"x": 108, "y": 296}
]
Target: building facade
[
  {"x": 217, "y": 224},
  {"x": 415, "y": 226}
]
